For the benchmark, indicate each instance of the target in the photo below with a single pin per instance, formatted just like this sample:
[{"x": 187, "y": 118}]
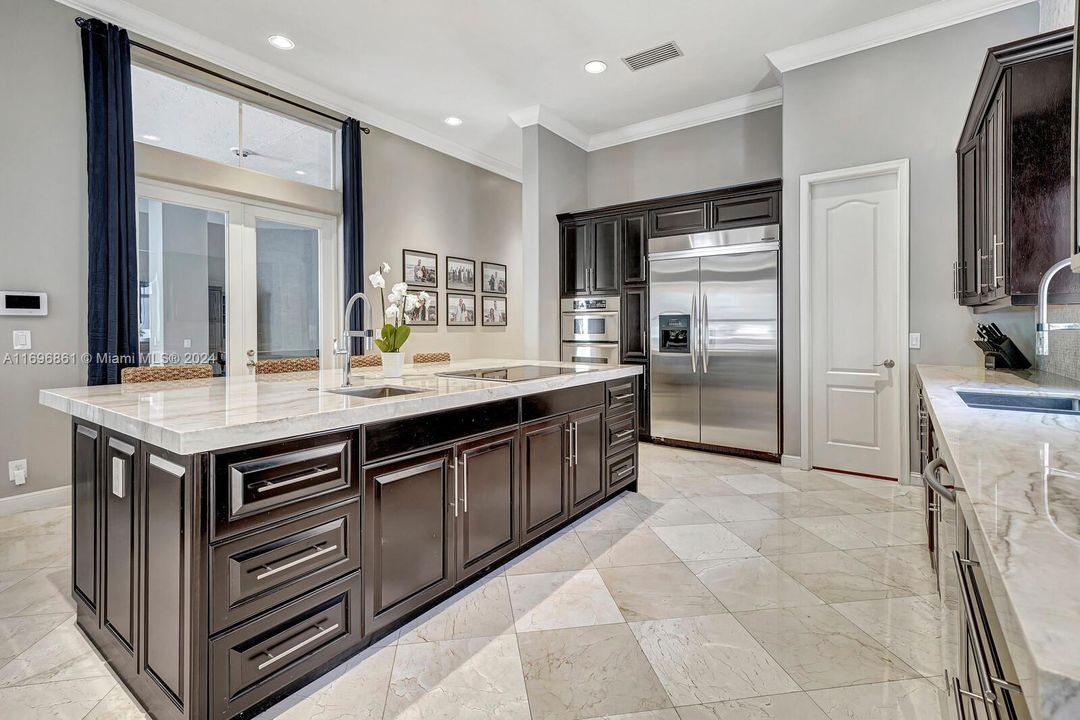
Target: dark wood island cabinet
[{"x": 219, "y": 582}]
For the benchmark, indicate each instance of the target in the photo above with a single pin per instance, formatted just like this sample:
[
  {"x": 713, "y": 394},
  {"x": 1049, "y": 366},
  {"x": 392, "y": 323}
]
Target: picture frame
[
  {"x": 419, "y": 268},
  {"x": 425, "y": 315},
  {"x": 460, "y": 310},
  {"x": 493, "y": 311},
  {"x": 493, "y": 278},
  {"x": 460, "y": 274}
]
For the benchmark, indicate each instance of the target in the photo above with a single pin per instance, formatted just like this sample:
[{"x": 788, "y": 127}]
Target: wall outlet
[
  {"x": 187, "y": 342},
  {"x": 17, "y": 471},
  {"x": 914, "y": 341},
  {"x": 20, "y": 339}
]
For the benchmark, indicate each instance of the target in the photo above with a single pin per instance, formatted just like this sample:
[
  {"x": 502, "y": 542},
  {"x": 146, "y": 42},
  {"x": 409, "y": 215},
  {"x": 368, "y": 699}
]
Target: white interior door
[
  {"x": 288, "y": 274},
  {"x": 857, "y": 225}
]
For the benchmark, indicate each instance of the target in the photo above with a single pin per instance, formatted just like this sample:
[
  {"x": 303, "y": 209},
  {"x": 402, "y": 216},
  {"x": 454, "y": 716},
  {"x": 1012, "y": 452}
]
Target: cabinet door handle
[
  {"x": 119, "y": 481},
  {"x": 323, "y": 632},
  {"x": 624, "y": 433},
  {"x": 319, "y": 552},
  {"x": 457, "y": 497},
  {"x": 624, "y": 472},
  {"x": 624, "y": 396},
  {"x": 981, "y": 664},
  {"x": 465, "y": 482},
  {"x": 569, "y": 446},
  {"x": 274, "y": 485},
  {"x": 999, "y": 267},
  {"x": 574, "y": 443},
  {"x": 955, "y": 280}
]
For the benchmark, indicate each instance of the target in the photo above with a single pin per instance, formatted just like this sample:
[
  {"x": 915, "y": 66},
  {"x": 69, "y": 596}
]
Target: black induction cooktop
[{"x": 518, "y": 373}]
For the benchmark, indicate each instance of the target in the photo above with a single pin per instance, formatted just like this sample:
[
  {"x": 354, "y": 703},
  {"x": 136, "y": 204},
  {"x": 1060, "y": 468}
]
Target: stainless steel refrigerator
[{"x": 714, "y": 350}]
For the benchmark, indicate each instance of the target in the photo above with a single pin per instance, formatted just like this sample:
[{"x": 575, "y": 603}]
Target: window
[{"x": 178, "y": 115}]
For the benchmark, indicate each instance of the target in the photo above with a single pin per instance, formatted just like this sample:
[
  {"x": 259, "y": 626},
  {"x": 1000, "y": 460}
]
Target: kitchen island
[{"x": 235, "y": 538}]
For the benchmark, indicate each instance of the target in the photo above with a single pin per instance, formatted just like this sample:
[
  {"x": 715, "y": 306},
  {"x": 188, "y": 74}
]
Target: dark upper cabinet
[
  {"x": 635, "y": 324},
  {"x": 1013, "y": 176},
  {"x": 545, "y": 475},
  {"x": 86, "y": 496},
  {"x": 587, "y": 453},
  {"x": 678, "y": 220},
  {"x": 575, "y": 258},
  {"x": 635, "y": 250},
  {"x": 409, "y": 508},
  {"x": 606, "y": 236},
  {"x": 745, "y": 211},
  {"x": 487, "y": 525}
]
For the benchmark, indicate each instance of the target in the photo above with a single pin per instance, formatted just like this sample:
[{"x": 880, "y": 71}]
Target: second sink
[
  {"x": 1023, "y": 403},
  {"x": 376, "y": 392}
]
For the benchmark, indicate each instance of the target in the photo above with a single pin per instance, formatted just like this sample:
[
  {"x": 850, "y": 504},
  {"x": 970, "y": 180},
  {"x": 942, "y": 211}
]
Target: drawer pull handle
[
  {"x": 968, "y": 595},
  {"x": 271, "y": 571},
  {"x": 298, "y": 479},
  {"x": 624, "y": 472},
  {"x": 624, "y": 433},
  {"x": 625, "y": 396},
  {"x": 323, "y": 632}
]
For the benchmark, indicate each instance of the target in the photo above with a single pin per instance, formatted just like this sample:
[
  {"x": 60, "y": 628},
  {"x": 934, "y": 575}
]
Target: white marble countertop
[
  {"x": 1021, "y": 475},
  {"x": 192, "y": 416}
]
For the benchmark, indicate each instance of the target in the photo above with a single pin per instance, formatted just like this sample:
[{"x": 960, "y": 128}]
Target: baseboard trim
[
  {"x": 793, "y": 461},
  {"x": 53, "y": 497}
]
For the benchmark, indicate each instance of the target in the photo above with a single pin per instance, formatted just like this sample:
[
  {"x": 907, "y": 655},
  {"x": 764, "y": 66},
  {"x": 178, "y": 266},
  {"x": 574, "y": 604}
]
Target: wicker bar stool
[
  {"x": 165, "y": 373},
  {"x": 286, "y": 365},
  {"x": 363, "y": 361},
  {"x": 431, "y": 357}
]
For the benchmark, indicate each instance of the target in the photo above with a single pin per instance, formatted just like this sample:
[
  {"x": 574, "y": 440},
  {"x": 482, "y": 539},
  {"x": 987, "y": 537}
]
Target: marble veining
[
  {"x": 1020, "y": 472},
  {"x": 192, "y": 416}
]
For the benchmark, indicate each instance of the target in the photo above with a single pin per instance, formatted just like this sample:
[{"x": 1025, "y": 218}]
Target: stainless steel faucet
[
  {"x": 1042, "y": 330},
  {"x": 345, "y": 348}
]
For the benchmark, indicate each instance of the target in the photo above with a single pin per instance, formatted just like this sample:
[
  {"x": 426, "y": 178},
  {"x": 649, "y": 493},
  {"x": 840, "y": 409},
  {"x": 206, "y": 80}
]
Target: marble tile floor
[{"x": 724, "y": 589}]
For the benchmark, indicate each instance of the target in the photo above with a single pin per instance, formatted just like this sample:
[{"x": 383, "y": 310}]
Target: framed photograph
[
  {"x": 494, "y": 310},
  {"x": 425, "y": 313},
  {"x": 460, "y": 274},
  {"x": 493, "y": 278},
  {"x": 420, "y": 269},
  {"x": 460, "y": 309}
]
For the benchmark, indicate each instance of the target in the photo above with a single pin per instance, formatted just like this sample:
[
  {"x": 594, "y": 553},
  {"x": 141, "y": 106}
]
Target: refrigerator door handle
[
  {"x": 703, "y": 335},
  {"x": 693, "y": 333}
]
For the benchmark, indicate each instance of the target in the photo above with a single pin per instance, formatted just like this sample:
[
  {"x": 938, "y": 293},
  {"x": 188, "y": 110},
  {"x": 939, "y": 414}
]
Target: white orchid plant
[{"x": 396, "y": 306}]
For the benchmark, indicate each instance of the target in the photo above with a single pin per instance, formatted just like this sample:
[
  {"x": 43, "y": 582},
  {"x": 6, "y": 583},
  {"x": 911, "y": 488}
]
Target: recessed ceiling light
[
  {"x": 300, "y": 172},
  {"x": 595, "y": 67},
  {"x": 281, "y": 42},
  {"x": 452, "y": 121},
  {"x": 151, "y": 138}
]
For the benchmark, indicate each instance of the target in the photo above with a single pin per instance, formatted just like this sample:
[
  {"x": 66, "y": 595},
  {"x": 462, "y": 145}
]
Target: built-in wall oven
[{"x": 590, "y": 330}]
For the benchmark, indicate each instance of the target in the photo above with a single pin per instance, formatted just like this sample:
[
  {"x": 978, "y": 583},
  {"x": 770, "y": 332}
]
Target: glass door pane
[
  {"x": 182, "y": 281},
  {"x": 287, "y": 290}
]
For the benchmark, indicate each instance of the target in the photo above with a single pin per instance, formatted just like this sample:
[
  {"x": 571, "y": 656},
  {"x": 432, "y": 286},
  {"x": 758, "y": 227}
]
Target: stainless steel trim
[
  {"x": 298, "y": 646},
  {"x": 457, "y": 495},
  {"x": 930, "y": 478},
  {"x": 624, "y": 433},
  {"x": 569, "y": 447},
  {"x": 270, "y": 571},
  {"x": 121, "y": 446},
  {"x": 88, "y": 432},
  {"x": 1001, "y": 265},
  {"x": 982, "y": 666},
  {"x": 703, "y": 333},
  {"x": 274, "y": 485},
  {"x": 710, "y": 251},
  {"x": 465, "y": 482},
  {"x": 958, "y": 693},
  {"x": 955, "y": 279},
  {"x": 693, "y": 332},
  {"x": 624, "y": 471},
  {"x": 574, "y": 437},
  {"x": 748, "y": 239},
  {"x": 624, "y": 396},
  {"x": 169, "y": 467}
]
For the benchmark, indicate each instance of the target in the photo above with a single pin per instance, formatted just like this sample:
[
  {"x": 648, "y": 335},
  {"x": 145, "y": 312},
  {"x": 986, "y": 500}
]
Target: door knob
[
  {"x": 251, "y": 358},
  {"x": 888, "y": 364}
]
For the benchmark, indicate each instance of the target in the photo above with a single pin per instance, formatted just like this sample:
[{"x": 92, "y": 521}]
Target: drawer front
[
  {"x": 621, "y": 471},
  {"x": 254, "y": 573},
  {"x": 677, "y": 220},
  {"x": 260, "y": 659},
  {"x": 269, "y": 483},
  {"x": 621, "y": 433},
  {"x": 621, "y": 396}
]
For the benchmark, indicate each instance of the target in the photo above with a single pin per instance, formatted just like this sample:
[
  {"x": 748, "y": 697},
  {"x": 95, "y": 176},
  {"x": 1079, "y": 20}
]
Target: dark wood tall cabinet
[{"x": 1013, "y": 176}]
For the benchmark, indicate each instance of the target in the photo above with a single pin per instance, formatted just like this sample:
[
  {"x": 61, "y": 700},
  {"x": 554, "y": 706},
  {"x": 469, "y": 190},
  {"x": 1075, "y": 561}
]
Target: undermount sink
[
  {"x": 377, "y": 392},
  {"x": 1022, "y": 403}
]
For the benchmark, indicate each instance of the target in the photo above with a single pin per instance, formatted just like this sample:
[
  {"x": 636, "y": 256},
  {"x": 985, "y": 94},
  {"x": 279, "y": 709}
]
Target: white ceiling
[{"x": 421, "y": 60}]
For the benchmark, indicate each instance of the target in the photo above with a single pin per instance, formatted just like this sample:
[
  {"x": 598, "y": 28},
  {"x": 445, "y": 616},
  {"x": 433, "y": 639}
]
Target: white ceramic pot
[{"x": 392, "y": 363}]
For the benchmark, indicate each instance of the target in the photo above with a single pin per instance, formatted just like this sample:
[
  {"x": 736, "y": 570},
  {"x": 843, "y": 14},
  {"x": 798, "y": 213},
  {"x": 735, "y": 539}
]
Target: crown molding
[
  {"x": 701, "y": 115},
  {"x": 692, "y": 117},
  {"x": 157, "y": 28},
  {"x": 934, "y": 16}
]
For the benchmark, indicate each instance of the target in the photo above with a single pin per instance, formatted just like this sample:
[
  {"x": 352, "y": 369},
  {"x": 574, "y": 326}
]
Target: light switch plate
[
  {"x": 914, "y": 341},
  {"x": 20, "y": 339},
  {"x": 17, "y": 471}
]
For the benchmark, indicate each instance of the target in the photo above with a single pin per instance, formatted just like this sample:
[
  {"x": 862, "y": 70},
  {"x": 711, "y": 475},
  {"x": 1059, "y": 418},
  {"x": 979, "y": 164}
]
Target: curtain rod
[{"x": 81, "y": 22}]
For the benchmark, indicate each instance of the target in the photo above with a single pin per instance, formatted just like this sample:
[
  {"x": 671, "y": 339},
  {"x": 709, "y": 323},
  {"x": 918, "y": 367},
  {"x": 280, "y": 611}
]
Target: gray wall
[
  {"x": 1056, "y": 14},
  {"x": 903, "y": 100},
  {"x": 417, "y": 198},
  {"x": 554, "y": 181},
  {"x": 726, "y": 152},
  {"x": 43, "y": 233}
]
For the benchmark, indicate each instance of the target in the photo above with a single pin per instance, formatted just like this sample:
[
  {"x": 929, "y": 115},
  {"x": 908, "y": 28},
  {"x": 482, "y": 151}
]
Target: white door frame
[{"x": 899, "y": 168}]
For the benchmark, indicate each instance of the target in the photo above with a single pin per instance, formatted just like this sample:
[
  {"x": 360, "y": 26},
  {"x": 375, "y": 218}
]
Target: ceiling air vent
[{"x": 652, "y": 56}]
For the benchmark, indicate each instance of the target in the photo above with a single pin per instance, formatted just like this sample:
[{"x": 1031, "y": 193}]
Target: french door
[{"x": 228, "y": 282}]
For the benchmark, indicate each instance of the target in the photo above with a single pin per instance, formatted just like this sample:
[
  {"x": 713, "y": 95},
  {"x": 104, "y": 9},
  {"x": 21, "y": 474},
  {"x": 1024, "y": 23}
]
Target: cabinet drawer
[
  {"x": 265, "y": 484},
  {"x": 621, "y": 396},
  {"x": 621, "y": 433},
  {"x": 258, "y": 660},
  {"x": 257, "y": 572},
  {"x": 677, "y": 220},
  {"x": 745, "y": 211},
  {"x": 621, "y": 471}
]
